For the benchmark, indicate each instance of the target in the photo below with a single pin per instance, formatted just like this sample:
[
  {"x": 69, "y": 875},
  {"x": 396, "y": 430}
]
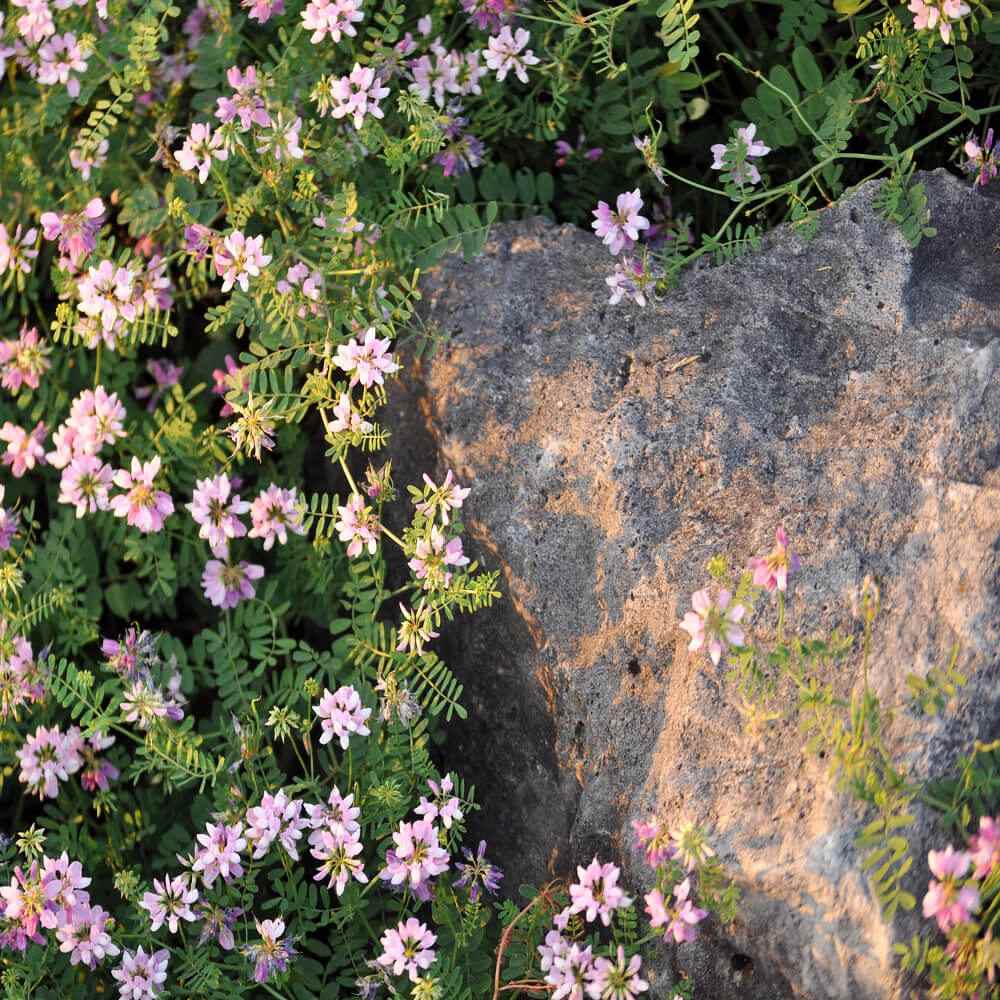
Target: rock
[{"x": 847, "y": 387}]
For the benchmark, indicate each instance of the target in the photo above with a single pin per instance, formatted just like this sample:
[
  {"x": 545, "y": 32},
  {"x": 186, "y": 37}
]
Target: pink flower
[
  {"x": 276, "y": 818},
  {"x": 985, "y": 847},
  {"x": 714, "y": 624},
  {"x": 618, "y": 980},
  {"x": 489, "y": 15},
  {"x": 339, "y": 815},
  {"x": 338, "y": 853},
  {"x": 368, "y": 361},
  {"x": 240, "y": 259},
  {"x": 226, "y": 584},
  {"x": 435, "y": 76},
  {"x": 984, "y": 160},
  {"x": 24, "y": 360},
  {"x": 597, "y": 893},
  {"x": 245, "y": 104},
  {"x": 619, "y": 229},
  {"x": 25, "y": 902},
  {"x": 47, "y": 757},
  {"x": 431, "y": 557},
  {"x": 416, "y": 857},
  {"x": 346, "y": 419},
  {"x": 448, "y": 496},
  {"x": 272, "y": 953},
  {"x": 937, "y": 13},
  {"x": 274, "y": 513},
  {"x": 142, "y": 505},
  {"x": 24, "y": 450},
  {"x": 415, "y": 629},
  {"x": 85, "y": 483},
  {"x": 219, "y": 852},
  {"x": 263, "y": 10},
  {"x": 409, "y": 948},
  {"x": 64, "y": 884},
  {"x": 35, "y": 25},
  {"x": 76, "y": 231},
  {"x": 358, "y": 95},
  {"x": 445, "y": 806},
  {"x": 16, "y": 252},
  {"x": 771, "y": 571},
  {"x": 631, "y": 278},
  {"x": 335, "y": 18},
  {"x": 945, "y": 900},
  {"x": 81, "y": 932},
  {"x": 342, "y": 715},
  {"x": 217, "y": 513},
  {"x": 282, "y": 140},
  {"x": 681, "y": 918},
  {"x": 505, "y": 52},
  {"x": 744, "y": 147},
  {"x": 199, "y": 149},
  {"x": 141, "y": 976},
  {"x": 60, "y": 56},
  {"x": 359, "y": 526},
  {"x": 654, "y": 839},
  {"x": 106, "y": 295},
  {"x": 570, "y": 972},
  {"x": 98, "y": 772},
  {"x": 169, "y": 903}
]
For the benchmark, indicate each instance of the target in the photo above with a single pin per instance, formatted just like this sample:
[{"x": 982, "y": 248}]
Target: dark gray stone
[{"x": 847, "y": 387}]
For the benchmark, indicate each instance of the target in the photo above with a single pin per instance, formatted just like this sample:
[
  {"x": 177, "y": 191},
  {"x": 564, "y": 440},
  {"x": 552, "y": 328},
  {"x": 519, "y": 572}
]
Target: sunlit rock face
[{"x": 846, "y": 387}]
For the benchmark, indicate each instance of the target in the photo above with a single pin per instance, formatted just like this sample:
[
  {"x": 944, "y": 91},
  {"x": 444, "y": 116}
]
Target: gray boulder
[{"x": 846, "y": 387}]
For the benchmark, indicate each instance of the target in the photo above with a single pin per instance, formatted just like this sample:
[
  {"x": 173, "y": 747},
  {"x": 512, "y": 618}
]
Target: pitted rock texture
[{"x": 847, "y": 387}]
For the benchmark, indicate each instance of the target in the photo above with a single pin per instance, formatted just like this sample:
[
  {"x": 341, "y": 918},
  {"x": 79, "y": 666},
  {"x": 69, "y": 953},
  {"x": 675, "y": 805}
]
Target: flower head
[
  {"x": 506, "y": 51},
  {"x": 226, "y": 584},
  {"x": 366, "y": 361},
  {"x": 272, "y": 953},
  {"x": 408, "y": 947},
  {"x": 946, "y": 900},
  {"x": 169, "y": 903},
  {"x": 772, "y": 571},
  {"x": 596, "y": 893},
  {"x": 342, "y": 715},
  {"x": 714, "y": 624},
  {"x": 141, "y": 976},
  {"x": 142, "y": 505},
  {"x": 619, "y": 228}
]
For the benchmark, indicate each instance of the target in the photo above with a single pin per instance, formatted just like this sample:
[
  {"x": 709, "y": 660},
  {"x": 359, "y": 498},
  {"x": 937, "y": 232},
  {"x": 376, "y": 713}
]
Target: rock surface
[{"x": 847, "y": 387}]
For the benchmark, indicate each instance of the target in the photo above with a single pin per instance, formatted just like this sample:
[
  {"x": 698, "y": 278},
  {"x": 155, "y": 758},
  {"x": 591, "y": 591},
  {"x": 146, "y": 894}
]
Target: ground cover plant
[{"x": 222, "y": 719}]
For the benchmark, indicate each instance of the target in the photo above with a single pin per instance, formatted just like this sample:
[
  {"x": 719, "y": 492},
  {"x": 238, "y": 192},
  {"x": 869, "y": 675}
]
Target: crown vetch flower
[
  {"x": 448, "y": 496},
  {"x": 169, "y": 903},
  {"x": 506, "y": 51},
  {"x": 75, "y": 231},
  {"x": 201, "y": 146},
  {"x": 358, "y": 95},
  {"x": 17, "y": 250},
  {"x": 219, "y": 852},
  {"x": 338, "y": 815},
  {"x": 940, "y": 14},
  {"x": 142, "y": 505},
  {"x": 444, "y": 806},
  {"x": 140, "y": 975},
  {"x": 571, "y": 971},
  {"x": 335, "y": 18},
  {"x": 742, "y": 149},
  {"x": 358, "y": 525},
  {"x": 338, "y": 852},
  {"x": 342, "y": 715},
  {"x": 716, "y": 625},
  {"x": 239, "y": 259},
  {"x": 24, "y": 361},
  {"x": 409, "y": 948},
  {"x": 681, "y": 917},
  {"x": 415, "y": 629},
  {"x": 416, "y": 857},
  {"x": 618, "y": 979},
  {"x": 262, "y": 11},
  {"x": 272, "y": 953},
  {"x": 619, "y": 228},
  {"x": 24, "y": 449},
  {"x": 216, "y": 509},
  {"x": 226, "y": 584},
  {"x": 274, "y": 513},
  {"x": 597, "y": 894},
  {"x": 368, "y": 361},
  {"x": 85, "y": 484},
  {"x": 432, "y": 555},
  {"x": 655, "y": 841},
  {"x": 477, "y": 874},
  {"x": 47, "y": 757},
  {"x": 246, "y": 104},
  {"x": 984, "y": 160},
  {"x": 947, "y": 901},
  {"x": 60, "y": 56},
  {"x": 985, "y": 847},
  {"x": 276, "y": 818},
  {"x": 772, "y": 571}
]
